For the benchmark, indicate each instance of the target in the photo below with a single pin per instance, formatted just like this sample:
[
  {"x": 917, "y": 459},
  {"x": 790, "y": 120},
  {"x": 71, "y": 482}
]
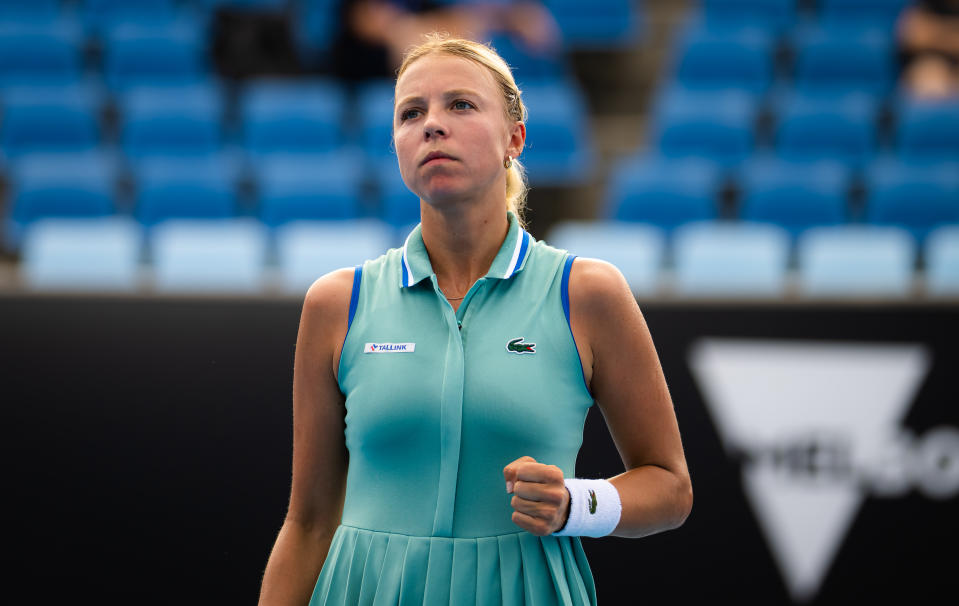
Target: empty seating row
[
  {"x": 796, "y": 196},
  {"x": 712, "y": 259},
  {"x": 211, "y": 256},
  {"x": 744, "y": 259},
  {"x": 284, "y": 188}
]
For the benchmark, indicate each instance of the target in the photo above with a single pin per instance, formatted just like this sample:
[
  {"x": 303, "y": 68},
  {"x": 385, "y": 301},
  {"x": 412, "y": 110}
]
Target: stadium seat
[
  {"x": 36, "y": 11},
  {"x": 39, "y": 54},
  {"x": 816, "y": 127},
  {"x": 717, "y": 62},
  {"x": 719, "y": 259},
  {"x": 856, "y": 261},
  {"x": 600, "y": 24},
  {"x": 775, "y": 15},
  {"x": 303, "y": 187},
  {"x": 99, "y": 254},
  {"x": 177, "y": 120},
  {"x": 398, "y": 206},
  {"x": 879, "y": 13},
  {"x": 209, "y": 256},
  {"x": 838, "y": 60},
  {"x": 942, "y": 261},
  {"x": 63, "y": 185},
  {"x": 202, "y": 188},
  {"x": 49, "y": 120},
  {"x": 102, "y": 15},
  {"x": 558, "y": 148},
  {"x": 794, "y": 196},
  {"x": 293, "y": 116},
  {"x": 916, "y": 198},
  {"x": 158, "y": 55},
  {"x": 928, "y": 130},
  {"x": 375, "y": 113},
  {"x": 307, "y": 250},
  {"x": 719, "y": 127},
  {"x": 530, "y": 66},
  {"x": 662, "y": 192},
  {"x": 636, "y": 249}
]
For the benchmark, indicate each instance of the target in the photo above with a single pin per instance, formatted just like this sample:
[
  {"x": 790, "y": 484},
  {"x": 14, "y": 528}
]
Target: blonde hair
[{"x": 484, "y": 55}]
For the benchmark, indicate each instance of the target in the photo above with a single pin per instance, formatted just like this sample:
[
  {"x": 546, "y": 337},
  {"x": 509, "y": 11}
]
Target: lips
[{"x": 434, "y": 155}]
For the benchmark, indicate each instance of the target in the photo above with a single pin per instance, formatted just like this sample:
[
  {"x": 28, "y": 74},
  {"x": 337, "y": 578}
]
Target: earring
[{"x": 507, "y": 162}]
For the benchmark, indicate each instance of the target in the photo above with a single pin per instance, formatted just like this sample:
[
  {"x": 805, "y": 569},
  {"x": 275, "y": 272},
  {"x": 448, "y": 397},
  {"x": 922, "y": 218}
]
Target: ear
[{"x": 517, "y": 139}]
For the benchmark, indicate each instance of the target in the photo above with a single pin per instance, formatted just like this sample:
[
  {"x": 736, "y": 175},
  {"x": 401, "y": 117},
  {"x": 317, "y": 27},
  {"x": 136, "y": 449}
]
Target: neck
[{"x": 462, "y": 242}]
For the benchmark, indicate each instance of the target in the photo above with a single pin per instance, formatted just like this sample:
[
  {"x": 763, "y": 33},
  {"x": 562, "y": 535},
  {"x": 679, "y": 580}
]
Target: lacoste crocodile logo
[
  {"x": 517, "y": 346},
  {"x": 592, "y": 502}
]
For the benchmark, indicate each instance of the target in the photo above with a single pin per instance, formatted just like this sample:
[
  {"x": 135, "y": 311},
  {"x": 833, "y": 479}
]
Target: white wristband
[{"x": 594, "y": 508}]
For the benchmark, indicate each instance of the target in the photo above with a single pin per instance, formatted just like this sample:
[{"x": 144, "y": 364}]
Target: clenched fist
[{"x": 540, "y": 499}]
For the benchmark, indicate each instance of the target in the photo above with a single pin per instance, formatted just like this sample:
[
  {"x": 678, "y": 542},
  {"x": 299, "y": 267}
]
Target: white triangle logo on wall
[{"x": 813, "y": 423}]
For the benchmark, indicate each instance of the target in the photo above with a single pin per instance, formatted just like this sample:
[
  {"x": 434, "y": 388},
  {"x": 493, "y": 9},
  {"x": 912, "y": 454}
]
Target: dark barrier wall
[{"x": 147, "y": 445}]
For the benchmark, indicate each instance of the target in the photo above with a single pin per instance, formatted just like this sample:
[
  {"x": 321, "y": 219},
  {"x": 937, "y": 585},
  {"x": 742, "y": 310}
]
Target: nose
[{"x": 433, "y": 128}]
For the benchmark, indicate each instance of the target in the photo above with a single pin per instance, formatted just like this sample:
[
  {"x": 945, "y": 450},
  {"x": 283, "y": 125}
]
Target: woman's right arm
[{"x": 319, "y": 452}]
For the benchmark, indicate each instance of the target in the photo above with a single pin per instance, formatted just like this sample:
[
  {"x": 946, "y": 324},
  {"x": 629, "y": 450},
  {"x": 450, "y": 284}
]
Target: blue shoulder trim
[
  {"x": 354, "y": 296},
  {"x": 564, "y": 289},
  {"x": 565, "y": 285}
]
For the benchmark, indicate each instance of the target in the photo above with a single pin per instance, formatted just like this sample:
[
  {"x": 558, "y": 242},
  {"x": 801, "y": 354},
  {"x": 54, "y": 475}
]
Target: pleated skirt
[{"x": 372, "y": 568}]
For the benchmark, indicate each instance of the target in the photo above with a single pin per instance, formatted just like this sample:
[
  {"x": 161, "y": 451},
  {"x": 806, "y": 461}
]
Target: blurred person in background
[
  {"x": 464, "y": 361},
  {"x": 375, "y": 34},
  {"x": 929, "y": 40}
]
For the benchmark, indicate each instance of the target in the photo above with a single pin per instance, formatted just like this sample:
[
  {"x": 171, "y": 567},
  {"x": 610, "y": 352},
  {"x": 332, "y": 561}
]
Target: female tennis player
[{"x": 440, "y": 391}]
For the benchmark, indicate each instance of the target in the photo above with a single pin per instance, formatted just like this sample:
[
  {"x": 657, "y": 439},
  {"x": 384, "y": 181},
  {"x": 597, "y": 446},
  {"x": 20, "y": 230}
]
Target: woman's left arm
[{"x": 627, "y": 382}]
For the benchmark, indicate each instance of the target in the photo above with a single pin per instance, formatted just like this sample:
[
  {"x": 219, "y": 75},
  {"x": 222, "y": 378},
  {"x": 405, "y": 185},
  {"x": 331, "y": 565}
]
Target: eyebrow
[{"x": 456, "y": 92}]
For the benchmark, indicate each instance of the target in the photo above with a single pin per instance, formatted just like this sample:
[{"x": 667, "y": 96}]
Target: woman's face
[{"x": 451, "y": 130}]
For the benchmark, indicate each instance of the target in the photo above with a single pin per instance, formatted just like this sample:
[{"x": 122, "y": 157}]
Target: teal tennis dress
[{"x": 437, "y": 403}]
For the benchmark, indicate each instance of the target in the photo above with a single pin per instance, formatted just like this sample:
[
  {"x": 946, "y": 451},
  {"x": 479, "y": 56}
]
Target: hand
[{"x": 540, "y": 499}]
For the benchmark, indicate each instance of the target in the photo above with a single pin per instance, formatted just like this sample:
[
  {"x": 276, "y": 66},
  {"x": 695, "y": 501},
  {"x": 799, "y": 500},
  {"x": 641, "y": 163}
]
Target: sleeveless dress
[{"x": 437, "y": 403}]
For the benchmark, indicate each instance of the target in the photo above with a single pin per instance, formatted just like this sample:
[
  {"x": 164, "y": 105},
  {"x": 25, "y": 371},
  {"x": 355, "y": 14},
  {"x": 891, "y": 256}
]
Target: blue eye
[
  {"x": 462, "y": 104},
  {"x": 407, "y": 114}
]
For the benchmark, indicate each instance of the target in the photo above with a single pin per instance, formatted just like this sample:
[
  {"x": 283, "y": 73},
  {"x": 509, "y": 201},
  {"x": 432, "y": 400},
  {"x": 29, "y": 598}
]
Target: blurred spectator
[
  {"x": 376, "y": 33},
  {"x": 929, "y": 39}
]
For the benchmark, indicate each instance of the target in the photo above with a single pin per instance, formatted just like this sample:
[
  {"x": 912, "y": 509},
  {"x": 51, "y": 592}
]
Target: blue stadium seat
[
  {"x": 63, "y": 185},
  {"x": 307, "y": 250},
  {"x": 928, "y": 130},
  {"x": 776, "y": 15},
  {"x": 601, "y": 24},
  {"x": 180, "y": 188},
  {"x": 719, "y": 259},
  {"x": 39, "y": 54},
  {"x": 529, "y": 65},
  {"x": 178, "y": 120},
  {"x": 942, "y": 261},
  {"x": 103, "y": 15},
  {"x": 636, "y": 249},
  {"x": 35, "y": 11},
  {"x": 662, "y": 192},
  {"x": 293, "y": 116},
  {"x": 719, "y": 127},
  {"x": 717, "y": 62},
  {"x": 375, "y": 113},
  {"x": 209, "y": 256},
  {"x": 816, "y": 127},
  {"x": 839, "y": 60},
  {"x": 916, "y": 198},
  {"x": 100, "y": 254},
  {"x": 305, "y": 187},
  {"x": 49, "y": 119},
  {"x": 880, "y": 13},
  {"x": 398, "y": 206},
  {"x": 559, "y": 150},
  {"x": 856, "y": 261},
  {"x": 157, "y": 55},
  {"x": 795, "y": 196}
]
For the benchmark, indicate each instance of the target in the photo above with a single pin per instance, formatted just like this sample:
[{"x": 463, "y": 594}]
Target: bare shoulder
[
  {"x": 330, "y": 294},
  {"x": 597, "y": 287}
]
